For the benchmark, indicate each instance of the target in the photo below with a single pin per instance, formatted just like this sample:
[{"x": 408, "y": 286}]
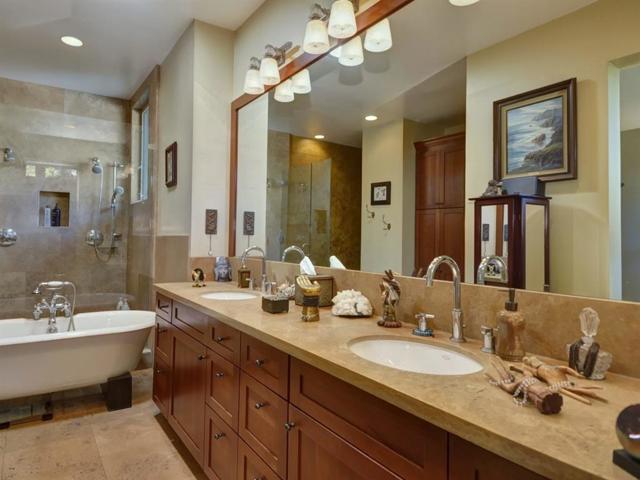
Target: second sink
[{"x": 412, "y": 356}]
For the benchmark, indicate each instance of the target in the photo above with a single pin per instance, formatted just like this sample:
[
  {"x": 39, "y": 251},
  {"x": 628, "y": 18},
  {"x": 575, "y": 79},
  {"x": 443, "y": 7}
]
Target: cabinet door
[
  {"x": 162, "y": 385},
  {"x": 251, "y": 467},
  {"x": 430, "y": 192},
  {"x": 453, "y": 179},
  {"x": 221, "y": 448},
  {"x": 223, "y": 388},
  {"x": 469, "y": 462},
  {"x": 163, "y": 340},
  {"x": 316, "y": 453},
  {"x": 188, "y": 392},
  {"x": 426, "y": 238},
  {"x": 451, "y": 239}
]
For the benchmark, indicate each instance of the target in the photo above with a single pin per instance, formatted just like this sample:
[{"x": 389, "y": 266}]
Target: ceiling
[
  {"x": 123, "y": 39},
  {"x": 423, "y": 77},
  {"x": 630, "y": 98}
]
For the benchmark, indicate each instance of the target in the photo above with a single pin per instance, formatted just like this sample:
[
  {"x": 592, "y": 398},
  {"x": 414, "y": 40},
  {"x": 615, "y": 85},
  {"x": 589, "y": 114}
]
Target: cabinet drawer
[
  {"x": 163, "y": 339},
  {"x": 161, "y": 385},
  {"x": 251, "y": 467},
  {"x": 224, "y": 340},
  {"x": 263, "y": 415},
  {"x": 163, "y": 307},
  {"x": 316, "y": 453},
  {"x": 221, "y": 448},
  {"x": 191, "y": 321},
  {"x": 267, "y": 364},
  {"x": 223, "y": 388},
  {"x": 406, "y": 445}
]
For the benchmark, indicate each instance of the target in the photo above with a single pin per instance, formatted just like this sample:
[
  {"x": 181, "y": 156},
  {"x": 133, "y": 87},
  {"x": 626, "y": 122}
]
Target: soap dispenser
[{"x": 510, "y": 326}]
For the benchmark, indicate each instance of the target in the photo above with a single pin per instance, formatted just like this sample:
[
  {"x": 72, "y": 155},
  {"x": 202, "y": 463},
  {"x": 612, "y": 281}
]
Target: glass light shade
[
  {"x": 351, "y": 53},
  {"x": 316, "y": 38},
  {"x": 336, "y": 52},
  {"x": 378, "y": 37},
  {"x": 284, "y": 92},
  {"x": 252, "y": 82},
  {"x": 301, "y": 82},
  {"x": 342, "y": 21},
  {"x": 462, "y": 3},
  {"x": 269, "y": 72}
]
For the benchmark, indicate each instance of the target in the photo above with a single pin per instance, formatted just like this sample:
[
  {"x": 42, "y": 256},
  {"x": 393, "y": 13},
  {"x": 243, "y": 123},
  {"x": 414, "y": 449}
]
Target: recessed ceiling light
[
  {"x": 71, "y": 41},
  {"x": 462, "y": 3},
  {"x": 371, "y": 118},
  {"x": 319, "y": 137}
]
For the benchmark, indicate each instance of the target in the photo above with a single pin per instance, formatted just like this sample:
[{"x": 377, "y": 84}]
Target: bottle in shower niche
[
  {"x": 56, "y": 216},
  {"x": 47, "y": 216}
]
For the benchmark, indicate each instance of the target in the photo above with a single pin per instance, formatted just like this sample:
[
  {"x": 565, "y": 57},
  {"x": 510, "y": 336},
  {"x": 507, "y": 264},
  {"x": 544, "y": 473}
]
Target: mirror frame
[{"x": 364, "y": 20}]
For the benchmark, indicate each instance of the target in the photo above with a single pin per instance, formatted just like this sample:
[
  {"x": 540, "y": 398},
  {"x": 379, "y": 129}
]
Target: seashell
[{"x": 351, "y": 303}]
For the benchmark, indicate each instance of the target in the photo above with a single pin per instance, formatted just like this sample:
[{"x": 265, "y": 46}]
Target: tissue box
[
  {"x": 326, "y": 290},
  {"x": 273, "y": 304}
]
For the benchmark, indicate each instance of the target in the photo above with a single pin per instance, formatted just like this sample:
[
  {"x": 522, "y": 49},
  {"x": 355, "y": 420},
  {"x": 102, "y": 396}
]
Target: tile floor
[{"x": 85, "y": 442}]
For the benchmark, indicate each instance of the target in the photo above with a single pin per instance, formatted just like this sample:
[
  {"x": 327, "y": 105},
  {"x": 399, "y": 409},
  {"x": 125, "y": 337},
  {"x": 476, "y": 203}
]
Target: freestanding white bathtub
[{"x": 104, "y": 345}]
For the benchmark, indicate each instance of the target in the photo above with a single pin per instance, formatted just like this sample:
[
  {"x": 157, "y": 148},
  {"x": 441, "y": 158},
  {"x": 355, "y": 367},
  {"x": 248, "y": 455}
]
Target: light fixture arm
[
  {"x": 278, "y": 53},
  {"x": 254, "y": 63},
  {"x": 318, "y": 12}
]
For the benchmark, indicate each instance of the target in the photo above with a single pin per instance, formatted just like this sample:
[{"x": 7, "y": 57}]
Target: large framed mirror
[{"x": 379, "y": 166}]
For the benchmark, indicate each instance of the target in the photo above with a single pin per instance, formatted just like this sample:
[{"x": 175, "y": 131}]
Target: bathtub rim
[{"x": 140, "y": 324}]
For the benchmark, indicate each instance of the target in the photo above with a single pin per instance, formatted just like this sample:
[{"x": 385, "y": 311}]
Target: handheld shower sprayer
[{"x": 118, "y": 191}]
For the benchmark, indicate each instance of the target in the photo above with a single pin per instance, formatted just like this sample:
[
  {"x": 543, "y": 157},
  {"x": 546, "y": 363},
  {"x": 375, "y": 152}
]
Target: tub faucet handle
[{"x": 37, "y": 312}]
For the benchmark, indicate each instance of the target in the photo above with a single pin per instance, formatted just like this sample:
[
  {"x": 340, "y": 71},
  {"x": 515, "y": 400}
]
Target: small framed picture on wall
[
  {"x": 381, "y": 193},
  {"x": 171, "y": 165}
]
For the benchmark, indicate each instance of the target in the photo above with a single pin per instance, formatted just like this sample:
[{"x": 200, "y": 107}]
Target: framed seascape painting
[{"x": 535, "y": 134}]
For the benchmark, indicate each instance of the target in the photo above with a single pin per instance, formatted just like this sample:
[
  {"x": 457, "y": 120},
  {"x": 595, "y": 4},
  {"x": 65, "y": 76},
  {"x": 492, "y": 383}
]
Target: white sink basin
[
  {"x": 414, "y": 356},
  {"x": 228, "y": 296}
]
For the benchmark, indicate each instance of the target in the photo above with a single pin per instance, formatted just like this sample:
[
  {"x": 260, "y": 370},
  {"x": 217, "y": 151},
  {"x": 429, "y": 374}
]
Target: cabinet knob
[
  {"x": 258, "y": 478},
  {"x": 260, "y": 405},
  {"x": 202, "y": 356},
  {"x": 218, "y": 436},
  {"x": 219, "y": 374},
  {"x": 289, "y": 426},
  {"x": 259, "y": 363},
  {"x": 158, "y": 371},
  {"x": 220, "y": 339},
  {"x": 161, "y": 330}
]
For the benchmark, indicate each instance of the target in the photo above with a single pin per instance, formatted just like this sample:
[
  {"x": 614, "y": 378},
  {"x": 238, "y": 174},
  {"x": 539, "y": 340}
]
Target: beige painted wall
[
  {"x": 579, "y": 45},
  {"x": 212, "y": 90},
  {"x": 631, "y": 215},
  {"x": 176, "y": 124}
]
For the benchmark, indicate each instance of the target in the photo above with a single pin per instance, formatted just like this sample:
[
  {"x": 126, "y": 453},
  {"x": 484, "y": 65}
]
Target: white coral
[{"x": 351, "y": 303}]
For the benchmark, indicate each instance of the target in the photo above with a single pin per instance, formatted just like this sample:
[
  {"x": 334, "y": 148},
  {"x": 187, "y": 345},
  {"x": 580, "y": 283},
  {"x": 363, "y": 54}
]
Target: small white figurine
[{"x": 351, "y": 303}]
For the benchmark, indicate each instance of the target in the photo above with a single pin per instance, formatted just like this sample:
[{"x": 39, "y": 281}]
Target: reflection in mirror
[{"x": 384, "y": 164}]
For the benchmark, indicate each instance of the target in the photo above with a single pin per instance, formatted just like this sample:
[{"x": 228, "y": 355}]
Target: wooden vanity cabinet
[{"x": 247, "y": 411}]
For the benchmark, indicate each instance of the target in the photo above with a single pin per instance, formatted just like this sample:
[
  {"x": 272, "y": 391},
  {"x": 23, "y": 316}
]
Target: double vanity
[{"x": 259, "y": 396}]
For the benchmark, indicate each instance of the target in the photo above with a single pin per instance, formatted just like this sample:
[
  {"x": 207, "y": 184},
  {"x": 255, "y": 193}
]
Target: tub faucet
[
  {"x": 484, "y": 264},
  {"x": 57, "y": 303},
  {"x": 243, "y": 259},
  {"x": 293, "y": 248},
  {"x": 457, "y": 326}
]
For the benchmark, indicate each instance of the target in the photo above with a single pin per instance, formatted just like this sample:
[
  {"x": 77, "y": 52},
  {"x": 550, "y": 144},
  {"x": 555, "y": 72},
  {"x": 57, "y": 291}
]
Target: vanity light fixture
[
  {"x": 273, "y": 59},
  {"x": 462, "y": 3},
  {"x": 71, "y": 41},
  {"x": 378, "y": 37},
  {"x": 301, "y": 82},
  {"x": 371, "y": 118},
  {"x": 316, "y": 37},
  {"x": 351, "y": 53},
  {"x": 319, "y": 137},
  {"x": 284, "y": 92},
  {"x": 342, "y": 20},
  {"x": 252, "y": 81}
]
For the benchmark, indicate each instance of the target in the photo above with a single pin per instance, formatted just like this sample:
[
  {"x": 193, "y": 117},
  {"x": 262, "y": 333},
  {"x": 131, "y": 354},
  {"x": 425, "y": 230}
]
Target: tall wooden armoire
[{"x": 440, "y": 164}]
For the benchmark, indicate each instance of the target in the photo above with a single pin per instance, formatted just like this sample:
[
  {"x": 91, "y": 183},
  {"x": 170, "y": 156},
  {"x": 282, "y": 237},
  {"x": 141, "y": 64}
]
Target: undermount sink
[
  {"x": 413, "y": 356},
  {"x": 228, "y": 296}
]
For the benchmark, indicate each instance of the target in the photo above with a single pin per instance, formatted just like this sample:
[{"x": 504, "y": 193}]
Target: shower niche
[{"x": 53, "y": 209}]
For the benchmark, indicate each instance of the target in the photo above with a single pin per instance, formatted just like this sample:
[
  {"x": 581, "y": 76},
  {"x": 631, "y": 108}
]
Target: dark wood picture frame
[
  {"x": 364, "y": 20},
  {"x": 567, "y": 88},
  {"x": 171, "y": 165},
  {"x": 387, "y": 199}
]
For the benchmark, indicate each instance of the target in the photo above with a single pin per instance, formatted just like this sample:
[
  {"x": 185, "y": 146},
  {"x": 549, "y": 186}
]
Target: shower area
[{"x": 64, "y": 195}]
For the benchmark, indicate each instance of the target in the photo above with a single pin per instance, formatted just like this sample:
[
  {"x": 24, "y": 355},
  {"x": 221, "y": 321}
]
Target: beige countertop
[{"x": 575, "y": 444}]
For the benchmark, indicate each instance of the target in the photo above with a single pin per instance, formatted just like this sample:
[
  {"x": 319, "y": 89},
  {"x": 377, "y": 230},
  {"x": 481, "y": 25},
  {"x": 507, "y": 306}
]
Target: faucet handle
[
  {"x": 488, "y": 339},
  {"x": 423, "y": 330},
  {"x": 37, "y": 312}
]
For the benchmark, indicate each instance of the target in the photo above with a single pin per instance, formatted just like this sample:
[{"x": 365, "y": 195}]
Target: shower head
[
  {"x": 118, "y": 191},
  {"x": 9, "y": 154},
  {"x": 96, "y": 165}
]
